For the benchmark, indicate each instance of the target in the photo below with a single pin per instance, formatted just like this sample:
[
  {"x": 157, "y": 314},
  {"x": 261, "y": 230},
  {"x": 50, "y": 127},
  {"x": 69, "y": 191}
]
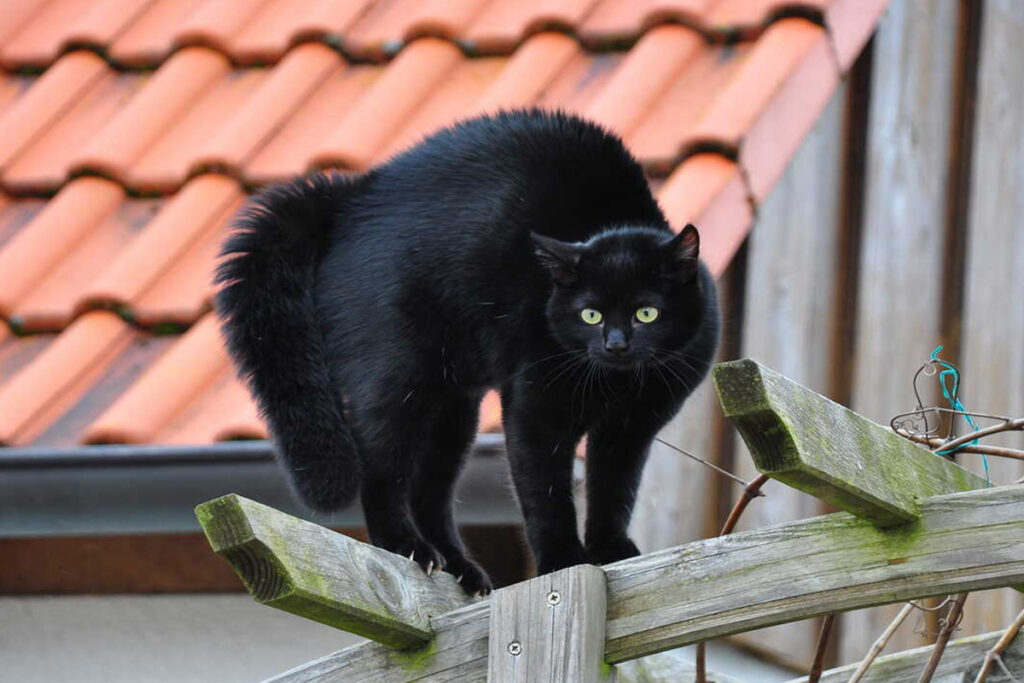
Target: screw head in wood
[
  {"x": 515, "y": 648},
  {"x": 554, "y": 597}
]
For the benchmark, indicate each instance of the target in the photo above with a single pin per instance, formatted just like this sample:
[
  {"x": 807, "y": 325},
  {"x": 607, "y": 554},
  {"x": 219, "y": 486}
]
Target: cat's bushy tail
[{"x": 269, "y": 320}]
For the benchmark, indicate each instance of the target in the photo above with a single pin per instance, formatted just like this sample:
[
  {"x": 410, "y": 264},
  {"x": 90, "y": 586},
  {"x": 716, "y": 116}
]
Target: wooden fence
[
  {"x": 895, "y": 229},
  {"x": 913, "y": 525}
]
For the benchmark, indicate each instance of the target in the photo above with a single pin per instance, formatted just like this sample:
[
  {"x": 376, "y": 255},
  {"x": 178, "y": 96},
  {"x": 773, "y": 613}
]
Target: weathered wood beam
[
  {"x": 960, "y": 663},
  {"x": 303, "y": 568},
  {"x": 550, "y": 629},
  {"x": 813, "y": 444},
  {"x": 721, "y": 586}
]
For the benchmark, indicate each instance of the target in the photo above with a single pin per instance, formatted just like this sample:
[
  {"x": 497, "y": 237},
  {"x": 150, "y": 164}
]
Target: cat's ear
[
  {"x": 558, "y": 258},
  {"x": 683, "y": 249}
]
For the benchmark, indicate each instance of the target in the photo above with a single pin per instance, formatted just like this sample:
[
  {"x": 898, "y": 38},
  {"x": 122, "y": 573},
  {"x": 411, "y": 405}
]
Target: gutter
[{"x": 139, "y": 489}]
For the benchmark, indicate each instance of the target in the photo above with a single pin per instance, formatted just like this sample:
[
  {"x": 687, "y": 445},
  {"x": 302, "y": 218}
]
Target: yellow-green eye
[
  {"x": 591, "y": 316},
  {"x": 647, "y": 314}
]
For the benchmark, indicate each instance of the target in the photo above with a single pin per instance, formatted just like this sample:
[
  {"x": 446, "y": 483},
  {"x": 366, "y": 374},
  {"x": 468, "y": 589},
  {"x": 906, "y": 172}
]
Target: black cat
[{"x": 523, "y": 251}]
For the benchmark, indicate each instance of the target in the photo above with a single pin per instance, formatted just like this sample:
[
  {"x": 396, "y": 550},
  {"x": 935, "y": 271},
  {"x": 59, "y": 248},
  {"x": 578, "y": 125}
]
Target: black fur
[{"x": 371, "y": 313}]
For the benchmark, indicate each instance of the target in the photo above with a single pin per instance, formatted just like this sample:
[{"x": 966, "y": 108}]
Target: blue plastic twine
[{"x": 949, "y": 380}]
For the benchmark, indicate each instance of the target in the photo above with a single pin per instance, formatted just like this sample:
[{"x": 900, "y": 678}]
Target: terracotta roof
[{"x": 133, "y": 130}]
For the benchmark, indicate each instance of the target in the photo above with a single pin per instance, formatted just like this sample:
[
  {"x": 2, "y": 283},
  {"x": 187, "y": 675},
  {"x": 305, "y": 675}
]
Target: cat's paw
[
  {"x": 611, "y": 549},
  {"x": 422, "y": 553},
  {"x": 470, "y": 576},
  {"x": 569, "y": 556}
]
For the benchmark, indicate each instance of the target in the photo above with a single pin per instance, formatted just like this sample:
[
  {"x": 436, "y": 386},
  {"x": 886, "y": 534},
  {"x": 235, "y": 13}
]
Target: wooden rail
[
  {"x": 711, "y": 588},
  {"x": 303, "y": 568},
  {"x": 813, "y": 444},
  {"x": 900, "y": 541}
]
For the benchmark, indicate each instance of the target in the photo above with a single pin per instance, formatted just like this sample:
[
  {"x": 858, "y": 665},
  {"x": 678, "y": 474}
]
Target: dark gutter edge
[{"x": 226, "y": 452}]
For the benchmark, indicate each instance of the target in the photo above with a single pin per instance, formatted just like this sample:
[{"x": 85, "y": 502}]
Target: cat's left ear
[
  {"x": 683, "y": 249},
  {"x": 558, "y": 258}
]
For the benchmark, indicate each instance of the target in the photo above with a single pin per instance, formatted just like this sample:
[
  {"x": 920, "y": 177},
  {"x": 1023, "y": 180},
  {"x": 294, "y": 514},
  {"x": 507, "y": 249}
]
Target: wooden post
[
  {"x": 550, "y": 629},
  {"x": 807, "y": 441},
  {"x": 303, "y": 568}
]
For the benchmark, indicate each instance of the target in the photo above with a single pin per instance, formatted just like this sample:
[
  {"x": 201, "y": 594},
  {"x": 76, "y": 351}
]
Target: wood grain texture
[
  {"x": 816, "y": 445},
  {"x": 960, "y": 663},
  {"x": 458, "y": 653},
  {"x": 306, "y": 569},
  {"x": 792, "y": 277},
  {"x": 721, "y": 586},
  {"x": 899, "y": 295},
  {"x": 833, "y": 563},
  {"x": 992, "y": 352},
  {"x": 550, "y": 629}
]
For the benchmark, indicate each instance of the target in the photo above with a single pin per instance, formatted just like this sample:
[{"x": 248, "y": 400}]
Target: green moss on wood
[
  {"x": 299, "y": 567},
  {"x": 416, "y": 660},
  {"x": 815, "y": 445}
]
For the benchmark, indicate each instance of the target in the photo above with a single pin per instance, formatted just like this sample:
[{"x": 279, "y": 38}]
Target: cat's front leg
[
  {"x": 617, "y": 448},
  {"x": 541, "y": 447}
]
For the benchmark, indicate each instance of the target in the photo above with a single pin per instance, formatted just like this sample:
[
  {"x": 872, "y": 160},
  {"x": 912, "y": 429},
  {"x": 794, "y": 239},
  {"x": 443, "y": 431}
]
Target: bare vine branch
[
  {"x": 937, "y": 443},
  {"x": 881, "y": 642},
  {"x": 995, "y": 654},
  {"x": 1011, "y": 426},
  {"x": 819, "y": 652},
  {"x": 950, "y": 623},
  {"x": 751, "y": 491}
]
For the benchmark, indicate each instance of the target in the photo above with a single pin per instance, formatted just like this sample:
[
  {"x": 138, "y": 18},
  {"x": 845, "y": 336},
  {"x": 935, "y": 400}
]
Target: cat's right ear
[
  {"x": 558, "y": 258},
  {"x": 682, "y": 251}
]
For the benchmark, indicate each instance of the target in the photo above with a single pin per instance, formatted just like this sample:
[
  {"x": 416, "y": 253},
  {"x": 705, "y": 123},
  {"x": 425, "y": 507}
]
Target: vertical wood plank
[
  {"x": 791, "y": 281},
  {"x": 898, "y": 317},
  {"x": 993, "y": 316},
  {"x": 550, "y": 629}
]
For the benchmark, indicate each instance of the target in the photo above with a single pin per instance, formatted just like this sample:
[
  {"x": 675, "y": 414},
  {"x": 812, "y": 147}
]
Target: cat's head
[{"x": 628, "y": 296}]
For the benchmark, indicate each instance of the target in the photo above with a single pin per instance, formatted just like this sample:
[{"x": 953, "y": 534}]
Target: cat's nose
[{"x": 616, "y": 343}]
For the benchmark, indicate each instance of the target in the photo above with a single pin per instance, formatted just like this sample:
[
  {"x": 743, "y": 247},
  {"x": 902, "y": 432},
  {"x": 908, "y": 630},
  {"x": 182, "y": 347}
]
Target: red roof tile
[
  {"x": 133, "y": 129},
  {"x": 502, "y": 24}
]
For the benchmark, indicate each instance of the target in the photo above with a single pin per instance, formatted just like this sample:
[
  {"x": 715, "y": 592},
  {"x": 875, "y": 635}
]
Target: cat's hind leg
[
  {"x": 388, "y": 447},
  {"x": 440, "y": 458}
]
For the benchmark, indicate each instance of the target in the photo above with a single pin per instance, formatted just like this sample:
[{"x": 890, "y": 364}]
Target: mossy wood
[
  {"x": 960, "y": 663},
  {"x": 306, "y": 569},
  {"x": 721, "y": 586},
  {"x": 813, "y": 444}
]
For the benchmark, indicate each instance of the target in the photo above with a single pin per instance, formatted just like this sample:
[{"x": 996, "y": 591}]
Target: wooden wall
[
  {"x": 898, "y": 226},
  {"x": 790, "y": 293},
  {"x": 899, "y": 293},
  {"x": 992, "y": 330}
]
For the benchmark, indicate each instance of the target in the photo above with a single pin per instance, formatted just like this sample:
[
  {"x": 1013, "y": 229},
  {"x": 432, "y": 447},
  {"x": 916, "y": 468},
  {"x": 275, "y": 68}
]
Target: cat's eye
[
  {"x": 591, "y": 316},
  {"x": 647, "y": 314}
]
